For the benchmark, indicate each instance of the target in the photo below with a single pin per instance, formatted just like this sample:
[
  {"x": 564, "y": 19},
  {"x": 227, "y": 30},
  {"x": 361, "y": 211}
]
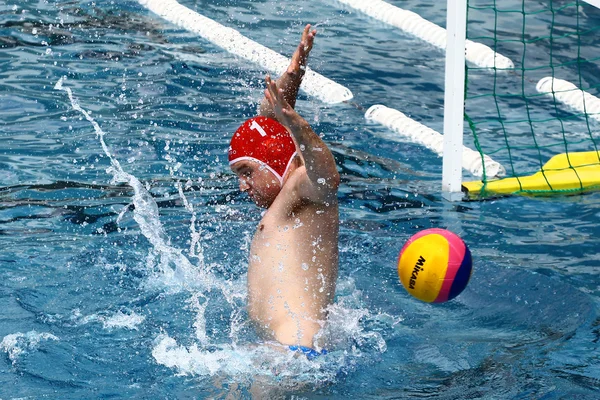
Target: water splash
[
  {"x": 353, "y": 343},
  {"x": 246, "y": 363},
  {"x": 123, "y": 320},
  {"x": 19, "y": 343},
  {"x": 195, "y": 247},
  {"x": 347, "y": 330},
  {"x": 177, "y": 271}
]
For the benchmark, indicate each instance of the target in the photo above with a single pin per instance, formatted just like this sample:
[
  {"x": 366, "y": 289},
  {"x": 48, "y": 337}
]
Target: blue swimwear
[{"x": 311, "y": 354}]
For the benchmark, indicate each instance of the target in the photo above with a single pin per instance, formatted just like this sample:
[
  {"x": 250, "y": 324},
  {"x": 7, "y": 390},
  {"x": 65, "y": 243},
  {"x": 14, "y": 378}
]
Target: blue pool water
[{"x": 106, "y": 292}]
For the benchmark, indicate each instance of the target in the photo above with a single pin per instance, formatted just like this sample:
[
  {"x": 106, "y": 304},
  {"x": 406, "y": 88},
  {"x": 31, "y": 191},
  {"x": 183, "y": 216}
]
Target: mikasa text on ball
[{"x": 435, "y": 265}]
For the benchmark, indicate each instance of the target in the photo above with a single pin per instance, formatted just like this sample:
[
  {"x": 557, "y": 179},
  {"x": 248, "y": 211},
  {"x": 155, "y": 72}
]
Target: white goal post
[{"x": 454, "y": 94}]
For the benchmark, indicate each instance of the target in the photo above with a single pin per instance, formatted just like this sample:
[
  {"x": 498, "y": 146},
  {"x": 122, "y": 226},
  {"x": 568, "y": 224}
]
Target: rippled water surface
[{"x": 122, "y": 270}]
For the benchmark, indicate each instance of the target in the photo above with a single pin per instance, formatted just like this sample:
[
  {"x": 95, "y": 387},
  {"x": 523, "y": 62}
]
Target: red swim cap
[{"x": 266, "y": 141}]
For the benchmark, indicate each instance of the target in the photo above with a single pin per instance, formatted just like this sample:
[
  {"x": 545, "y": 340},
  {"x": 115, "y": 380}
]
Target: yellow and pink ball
[{"x": 435, "y": 265}]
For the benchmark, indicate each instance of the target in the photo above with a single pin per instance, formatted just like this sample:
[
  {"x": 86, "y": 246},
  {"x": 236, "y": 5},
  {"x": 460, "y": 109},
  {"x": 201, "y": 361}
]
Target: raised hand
[
  {"x": 298, "y": 64},
  {"x": 283, "y": 111},
  {"x": 289, "y": 82}
]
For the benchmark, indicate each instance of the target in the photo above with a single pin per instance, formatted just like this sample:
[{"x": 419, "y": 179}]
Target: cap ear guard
[{"x": 279, "y": 177}]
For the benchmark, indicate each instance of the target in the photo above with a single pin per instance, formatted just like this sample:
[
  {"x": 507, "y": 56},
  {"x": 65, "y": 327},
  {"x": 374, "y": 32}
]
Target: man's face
[{"x": 261, "y": 184}]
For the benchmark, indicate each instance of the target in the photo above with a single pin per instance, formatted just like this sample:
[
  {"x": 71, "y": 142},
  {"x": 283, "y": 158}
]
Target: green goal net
[{"x": 540, "y": 119}]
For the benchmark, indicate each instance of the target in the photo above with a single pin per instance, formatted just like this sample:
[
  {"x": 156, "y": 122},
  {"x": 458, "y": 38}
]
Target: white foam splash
[
  {"x": 18, "y": 343},
  {"x": 194, "y": 361},
  {"x": 347, "y": 320},
  {"x": 110, "y": 320},
  {"x": 195, "y": 247},
  {"x": 349, "y": 343},
  {"x": 122, "y": 320},
  {"x": 177, "y": 271},
  {"x": 200, "y": 321},
  {"x": 245, "y": 363}
]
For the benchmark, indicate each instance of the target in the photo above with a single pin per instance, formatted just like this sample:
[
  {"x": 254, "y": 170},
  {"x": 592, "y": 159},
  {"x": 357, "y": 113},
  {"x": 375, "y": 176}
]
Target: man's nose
[{"x": 244, "y": 185}]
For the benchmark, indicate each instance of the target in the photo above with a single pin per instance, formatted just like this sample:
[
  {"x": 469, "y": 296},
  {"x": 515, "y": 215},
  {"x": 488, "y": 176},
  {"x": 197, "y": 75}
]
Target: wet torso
[{"x": 293, "y": 268}]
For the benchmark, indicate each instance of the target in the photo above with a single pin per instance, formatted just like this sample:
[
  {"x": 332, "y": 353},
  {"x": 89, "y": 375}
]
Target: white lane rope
[
  {"x": 234, "y": 42},
  {"x": 413, "y": 24},
  {"x": 570, "y": 95},
  {"x": 595, "y": 3},
  {"x": 418, "y": 133}
]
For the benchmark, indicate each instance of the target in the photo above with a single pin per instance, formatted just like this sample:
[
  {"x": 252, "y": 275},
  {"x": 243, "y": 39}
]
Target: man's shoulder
[{"x": 298, "y": 191}]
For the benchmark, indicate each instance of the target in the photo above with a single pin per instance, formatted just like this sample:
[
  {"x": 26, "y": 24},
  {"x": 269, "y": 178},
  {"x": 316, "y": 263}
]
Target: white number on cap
[{"x": 259, "y": 128}]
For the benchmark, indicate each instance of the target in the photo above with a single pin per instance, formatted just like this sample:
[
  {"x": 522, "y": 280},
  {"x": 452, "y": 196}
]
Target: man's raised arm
[
  {"x": 318, "y": 160},
  {"x": 290, "y": 80}
]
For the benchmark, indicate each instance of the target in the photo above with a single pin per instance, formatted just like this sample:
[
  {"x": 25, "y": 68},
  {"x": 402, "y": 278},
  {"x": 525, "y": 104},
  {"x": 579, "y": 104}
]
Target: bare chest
[{"x": 296, "y": 239}]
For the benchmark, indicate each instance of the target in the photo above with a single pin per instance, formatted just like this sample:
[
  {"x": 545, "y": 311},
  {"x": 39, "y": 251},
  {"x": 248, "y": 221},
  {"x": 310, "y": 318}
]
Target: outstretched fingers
[
  {"x": 274, "y": 94},
  {"x": 276, "y": 99},
  {"x": 270, "y": 94},
  {"x": 300, "y": 56},
  {"x": 289, "y": 82},
  {"x": 308, "y": 38}
]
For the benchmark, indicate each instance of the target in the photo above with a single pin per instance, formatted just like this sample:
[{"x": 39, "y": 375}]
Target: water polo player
[{"x": 285, "y": 167}]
